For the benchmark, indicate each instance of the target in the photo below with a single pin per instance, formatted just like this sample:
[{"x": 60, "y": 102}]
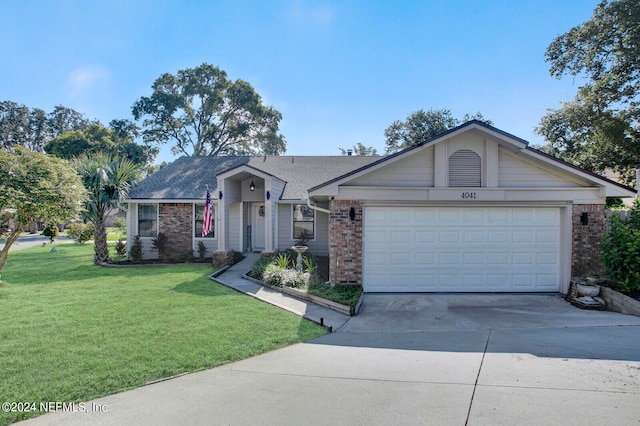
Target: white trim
[{"x": 157, "y": 204}]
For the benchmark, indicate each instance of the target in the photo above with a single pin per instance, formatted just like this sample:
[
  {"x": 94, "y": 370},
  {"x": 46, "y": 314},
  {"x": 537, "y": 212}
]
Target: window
[
  {"x": 147, "y": 220},
  {"x": 303, "y": 222},
  {"x": 199, "y": 219},
  {"x": 465, "y": 169}
]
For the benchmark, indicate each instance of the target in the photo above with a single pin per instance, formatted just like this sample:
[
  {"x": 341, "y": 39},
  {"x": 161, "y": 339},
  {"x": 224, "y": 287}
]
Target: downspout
[
  {"x": 312, "y": 207},
  {"x": 638, "y": 182}
]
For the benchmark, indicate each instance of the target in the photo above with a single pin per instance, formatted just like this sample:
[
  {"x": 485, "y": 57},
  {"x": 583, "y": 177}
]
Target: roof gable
[{"x": 487, "y": 141}]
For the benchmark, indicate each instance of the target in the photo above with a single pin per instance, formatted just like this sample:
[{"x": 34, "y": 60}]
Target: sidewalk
[{"x": 232, "y": 277}]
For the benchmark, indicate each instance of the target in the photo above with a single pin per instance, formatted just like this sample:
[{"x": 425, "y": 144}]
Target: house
[{"x": 472, "y": 210}]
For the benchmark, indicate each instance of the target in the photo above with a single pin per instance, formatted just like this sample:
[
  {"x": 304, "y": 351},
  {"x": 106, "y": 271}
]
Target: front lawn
[{"x": 72, "y": 331}]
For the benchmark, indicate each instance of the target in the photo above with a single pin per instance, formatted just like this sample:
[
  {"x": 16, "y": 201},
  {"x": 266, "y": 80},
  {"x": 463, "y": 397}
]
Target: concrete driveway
[{"x": 414, "y": 359}]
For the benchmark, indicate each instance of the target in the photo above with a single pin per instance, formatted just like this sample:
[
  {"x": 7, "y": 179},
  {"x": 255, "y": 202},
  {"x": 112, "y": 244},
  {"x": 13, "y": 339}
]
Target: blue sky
[{"x": 340, "y": 72}]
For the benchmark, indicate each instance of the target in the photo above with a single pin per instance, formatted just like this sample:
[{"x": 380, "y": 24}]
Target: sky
[{"x": 340, "y": 72}]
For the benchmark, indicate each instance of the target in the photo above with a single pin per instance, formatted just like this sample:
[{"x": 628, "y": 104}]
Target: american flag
[{"x": 208, "y": 212}]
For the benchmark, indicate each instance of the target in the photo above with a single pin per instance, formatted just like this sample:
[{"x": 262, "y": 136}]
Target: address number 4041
[{"x": 468, "y": 196}]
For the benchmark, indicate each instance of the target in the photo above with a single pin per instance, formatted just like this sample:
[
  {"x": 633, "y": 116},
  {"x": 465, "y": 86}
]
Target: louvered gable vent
[{"x": 465, "y": 169}]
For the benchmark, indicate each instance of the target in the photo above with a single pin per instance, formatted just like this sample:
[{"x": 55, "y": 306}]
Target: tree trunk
[
  {"x": 10, "y": 239},
  {"x": 100, "y": 242}
]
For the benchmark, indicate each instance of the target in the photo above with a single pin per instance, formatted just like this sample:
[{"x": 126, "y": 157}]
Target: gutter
[{"x": 312, "y": 207}]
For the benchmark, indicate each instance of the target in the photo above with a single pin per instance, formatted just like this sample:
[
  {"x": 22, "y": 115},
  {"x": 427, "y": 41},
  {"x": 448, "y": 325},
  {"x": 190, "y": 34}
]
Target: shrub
[
  {"x": 621, "y": 250},
  {"x": 202, "y": 250},
  {"x": 278, "y": 277},
  {"x": 185, "y": 256},
  {"x": 136, "y": 249},
  {"x": 81, "y": 233},
  {"x": 236, "y": 257},
  {"x": 121, "y": 248},
  {"x": 161, "y": 245},
  {"x": 257, "y": 270},
  {"x": 51, "y": 231}
]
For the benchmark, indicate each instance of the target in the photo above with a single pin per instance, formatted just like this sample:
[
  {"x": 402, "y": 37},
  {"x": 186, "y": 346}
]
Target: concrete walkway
[{"x": 232, "y": 277}]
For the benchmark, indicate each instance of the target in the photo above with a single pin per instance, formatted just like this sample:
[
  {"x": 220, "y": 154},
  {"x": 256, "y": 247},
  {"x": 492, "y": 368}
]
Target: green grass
[{"x": 72, "y": 331}]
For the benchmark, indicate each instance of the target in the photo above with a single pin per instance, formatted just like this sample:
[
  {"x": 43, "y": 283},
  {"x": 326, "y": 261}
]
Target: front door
[{"x": 257, "y": 225}]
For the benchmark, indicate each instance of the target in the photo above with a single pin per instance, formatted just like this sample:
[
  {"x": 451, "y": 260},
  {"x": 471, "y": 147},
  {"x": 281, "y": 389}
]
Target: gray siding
[
  {"x": 319, "y": 246},
  {"x": 414, "y": 171},
  {"x": 515, "y": 173}
]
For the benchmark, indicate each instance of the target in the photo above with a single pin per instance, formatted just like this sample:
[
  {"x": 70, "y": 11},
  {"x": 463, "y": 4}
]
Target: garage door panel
[{"x": 461, "y": 249}]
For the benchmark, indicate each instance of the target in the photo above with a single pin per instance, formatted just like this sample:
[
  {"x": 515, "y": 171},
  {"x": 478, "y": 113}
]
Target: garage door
[{"x": 461, "y": 249}]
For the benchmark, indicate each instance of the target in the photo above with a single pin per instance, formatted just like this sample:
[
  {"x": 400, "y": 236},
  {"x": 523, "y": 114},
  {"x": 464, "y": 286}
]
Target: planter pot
[{"x": 588, "y": 290}]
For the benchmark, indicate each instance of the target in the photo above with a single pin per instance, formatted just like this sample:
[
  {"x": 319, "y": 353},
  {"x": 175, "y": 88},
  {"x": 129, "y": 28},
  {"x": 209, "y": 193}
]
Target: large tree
[
  {"x": 107, "y": 180},
  {"x": 600, "y": 127},
  {"x": 33, "y": 128},
  {"x": 117, "y": 141},
  {"x": 202, "y": 112},
  {"x": 421, "y": 126},
  {"x": 35, "y": 187}
]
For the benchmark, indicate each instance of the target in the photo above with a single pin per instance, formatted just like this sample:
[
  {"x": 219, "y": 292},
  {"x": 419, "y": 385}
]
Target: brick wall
[
  {"x": 345, "y": 243},
  {"x": 586, "y": 239},
  {"x": 176, "y": 223}
]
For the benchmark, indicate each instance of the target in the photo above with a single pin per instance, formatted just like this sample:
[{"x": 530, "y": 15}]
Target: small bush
[
  {"x": 81, "y": 233},
  {"x": 278, "y": 277},
  {"x": 236, "y": 256},
  {"x": 51, "y": 231},
  {"x": 185, "y": 257},
  {"x": 202, "y": 250},
  {"x": 121, "y": 248},
  {"x": 136, "y": 249},
  {"x": 257, "y": 270},
  {"x": 161, "y": 245}
]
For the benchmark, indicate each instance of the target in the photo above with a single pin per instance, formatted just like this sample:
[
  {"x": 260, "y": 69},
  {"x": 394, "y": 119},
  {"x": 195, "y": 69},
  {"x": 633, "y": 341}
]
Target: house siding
[
  {"x": 176, "y": 222},
  {"x": 415, "y": 171},
  {"x": 234, "y": 227},
  {"x": 318, "y": 246},
  {"x": 345, "y": 248},
  {"x": 515, "y": 173},
  {"x": 587, "y": 239}
]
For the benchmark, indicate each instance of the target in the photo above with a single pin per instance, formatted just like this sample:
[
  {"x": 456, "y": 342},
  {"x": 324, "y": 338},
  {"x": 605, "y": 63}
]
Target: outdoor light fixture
[
  {"x": 219, "y": 195},
  {"x": 268, "y": 195},
  {"x": 252, "y": 187},
  {"x": 352, "y": 213},
  {"x": 584, "y": 218}
]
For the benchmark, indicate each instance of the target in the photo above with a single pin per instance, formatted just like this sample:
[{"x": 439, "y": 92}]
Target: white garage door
[{"x": 461, "y": 249}]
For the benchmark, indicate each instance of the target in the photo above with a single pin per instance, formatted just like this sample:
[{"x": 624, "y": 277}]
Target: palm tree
[{"x": 108, "y": 181}]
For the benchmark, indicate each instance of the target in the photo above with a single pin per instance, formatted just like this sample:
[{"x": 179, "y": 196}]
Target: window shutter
[{"x": 465, "y": 169}]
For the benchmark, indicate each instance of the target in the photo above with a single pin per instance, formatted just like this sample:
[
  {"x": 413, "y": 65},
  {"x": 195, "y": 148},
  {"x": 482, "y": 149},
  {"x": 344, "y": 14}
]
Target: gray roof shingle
[{"x": 186, "y": 177}]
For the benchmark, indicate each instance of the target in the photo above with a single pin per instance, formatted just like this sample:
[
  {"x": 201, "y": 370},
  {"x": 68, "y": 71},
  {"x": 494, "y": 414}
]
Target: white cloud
[{"x": 88, "y": 77}]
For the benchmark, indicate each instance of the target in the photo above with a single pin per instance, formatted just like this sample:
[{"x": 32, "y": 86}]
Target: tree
[
  {"x": 108, "y": 181},
  {"x": 600, "y": 128},
  {"x": 117, "y": 141},
  {"x": 204, "y": 113},
  {"x": 21, "y": 126},
  {"x": 35, "y": 187},
  {"x": 33, "y": 128},
  {"x": 421, "y": 126},
  {"x": 359, "y": 149}
]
